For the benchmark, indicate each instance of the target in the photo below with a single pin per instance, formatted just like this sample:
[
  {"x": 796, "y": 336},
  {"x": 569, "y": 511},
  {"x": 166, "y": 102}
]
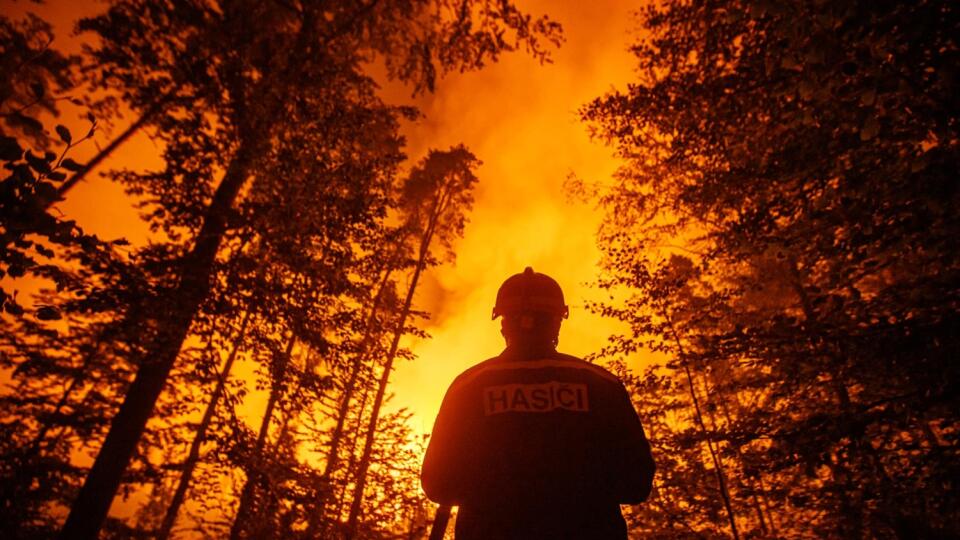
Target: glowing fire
[{"x": 521, "y": 119}]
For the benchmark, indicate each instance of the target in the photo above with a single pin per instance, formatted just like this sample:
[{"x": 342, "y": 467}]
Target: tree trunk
[
  {"x": 698, "y": 414},
  {"x": 333, "y": 456},
  {"x": 850, "y": 507},
  {"x": 194, "y": 455},
  {"x": 255, "y": 474},
  {"x": 721, "y": 404},
  {"x": 145, "y": 117},
  {"x": 361, "y": 481},
  {"x": 93, "y": 501},
  {"x": 285, "y": 435},
  {"x": 319, "y": 528}
]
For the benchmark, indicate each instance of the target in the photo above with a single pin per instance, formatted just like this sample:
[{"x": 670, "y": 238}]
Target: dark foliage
[
  {"x": 283, "y": 231},
  {"x": 786, "y": 230}
]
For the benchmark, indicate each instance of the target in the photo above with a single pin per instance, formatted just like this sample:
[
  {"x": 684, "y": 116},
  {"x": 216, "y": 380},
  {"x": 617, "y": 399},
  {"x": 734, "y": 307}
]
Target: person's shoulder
[
  {"x": 471, "y": 373},
  {"x": 477, "y": 368},
  {"x": 556, "y": 360},
  {"x": 579, "y": 363}
]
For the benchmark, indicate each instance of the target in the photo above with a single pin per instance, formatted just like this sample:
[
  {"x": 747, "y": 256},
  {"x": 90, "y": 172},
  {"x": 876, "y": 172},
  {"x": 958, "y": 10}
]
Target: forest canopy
[
  {"x": 779, "y": 244},
  {"x": 784, "y": 233},
  {"x": 291, "y": 234}
]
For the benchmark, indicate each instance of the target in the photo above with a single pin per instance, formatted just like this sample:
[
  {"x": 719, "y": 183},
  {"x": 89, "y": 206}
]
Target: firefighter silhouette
[{"x": 535, "y": 443}]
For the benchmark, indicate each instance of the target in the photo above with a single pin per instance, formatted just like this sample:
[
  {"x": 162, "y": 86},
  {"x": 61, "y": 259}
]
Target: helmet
[{"x": 530, "y": 291}]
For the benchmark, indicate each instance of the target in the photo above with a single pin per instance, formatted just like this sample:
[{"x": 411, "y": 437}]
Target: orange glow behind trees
[{"x": 751, "y": 207}]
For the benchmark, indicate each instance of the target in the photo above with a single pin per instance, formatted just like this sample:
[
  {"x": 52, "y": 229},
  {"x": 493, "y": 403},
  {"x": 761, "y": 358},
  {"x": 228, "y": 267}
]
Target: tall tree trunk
[
  {"x": 698, "y": 414},
  {"x": 361, "y": 481},
  {"x": 766, "y": 505},
  {"x": 721, "y": 404},
  {"x": 851, "y": 509},
  {"x": 93, "y": 501},
  {"x": 295, "y": 408},
  {"x": 194, "y": 455},
  {"x": 285, "y": 436},
  {"x": 145, "y": 117},
  {"x": 255, "y": 474},
  {"x": 352, "y": 463},
  {"x": 319, "y": 527},
  {"x": 92, "y": 504},
  {"x": 333, "y": 455}
]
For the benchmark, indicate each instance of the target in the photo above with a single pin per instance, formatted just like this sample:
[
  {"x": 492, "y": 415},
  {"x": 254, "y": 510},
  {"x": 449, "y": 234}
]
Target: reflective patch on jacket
[{"x": 535, "y": 398}]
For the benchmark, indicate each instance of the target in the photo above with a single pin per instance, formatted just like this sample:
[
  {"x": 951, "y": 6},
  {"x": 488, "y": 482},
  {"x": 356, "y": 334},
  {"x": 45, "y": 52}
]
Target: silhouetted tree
[
  {"x": 356, "y": 375},
  {"x": 253, "y": 68},
  {"x": 435, "y": 201},
  {"x": 33, "y": 240},
  {"x": 294, "y": 282},
  {"x": 63, "y": 357},
  {"x": 798, "y": 162},
  {"x": 36, "y": 78}
]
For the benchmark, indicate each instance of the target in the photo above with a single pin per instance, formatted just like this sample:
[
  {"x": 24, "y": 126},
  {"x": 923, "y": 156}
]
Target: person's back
[{"x": 535, "y": 443}]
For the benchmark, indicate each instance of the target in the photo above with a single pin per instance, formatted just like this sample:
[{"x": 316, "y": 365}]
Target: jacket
[{"x": 547, "y": 447}]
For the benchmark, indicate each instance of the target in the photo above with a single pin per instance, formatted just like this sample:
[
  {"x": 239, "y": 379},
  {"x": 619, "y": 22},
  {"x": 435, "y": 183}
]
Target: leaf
[
  {"x": 27, "y": 123},
  {"x": 13, "y": 308},
  {"x": 72, "y": 165},
  {"x": 23, "y": 173},
  {"x": 38, "y": 164},
  {"x": 10, "y": 149},
  {"x": 64, "y": 133},
  {"x": 49, "y": 313},
  {"x": 47, "y": 191}
]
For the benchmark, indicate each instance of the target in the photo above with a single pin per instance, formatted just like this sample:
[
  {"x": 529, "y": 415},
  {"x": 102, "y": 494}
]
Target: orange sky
[{"x": 520, "y": 119}]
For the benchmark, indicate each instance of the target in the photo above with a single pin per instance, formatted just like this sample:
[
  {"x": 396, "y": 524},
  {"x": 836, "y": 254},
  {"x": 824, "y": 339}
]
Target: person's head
[{"x": 531, "y": 306}]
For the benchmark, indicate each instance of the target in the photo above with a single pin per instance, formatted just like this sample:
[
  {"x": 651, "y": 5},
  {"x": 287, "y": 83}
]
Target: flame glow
[{"x": 520, "y": 119}]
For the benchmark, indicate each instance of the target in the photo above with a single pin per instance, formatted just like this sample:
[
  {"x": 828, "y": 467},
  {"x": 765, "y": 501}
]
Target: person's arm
[
  {"x": 635, "y": 478},
  {"x": 442, "y": 474}
]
